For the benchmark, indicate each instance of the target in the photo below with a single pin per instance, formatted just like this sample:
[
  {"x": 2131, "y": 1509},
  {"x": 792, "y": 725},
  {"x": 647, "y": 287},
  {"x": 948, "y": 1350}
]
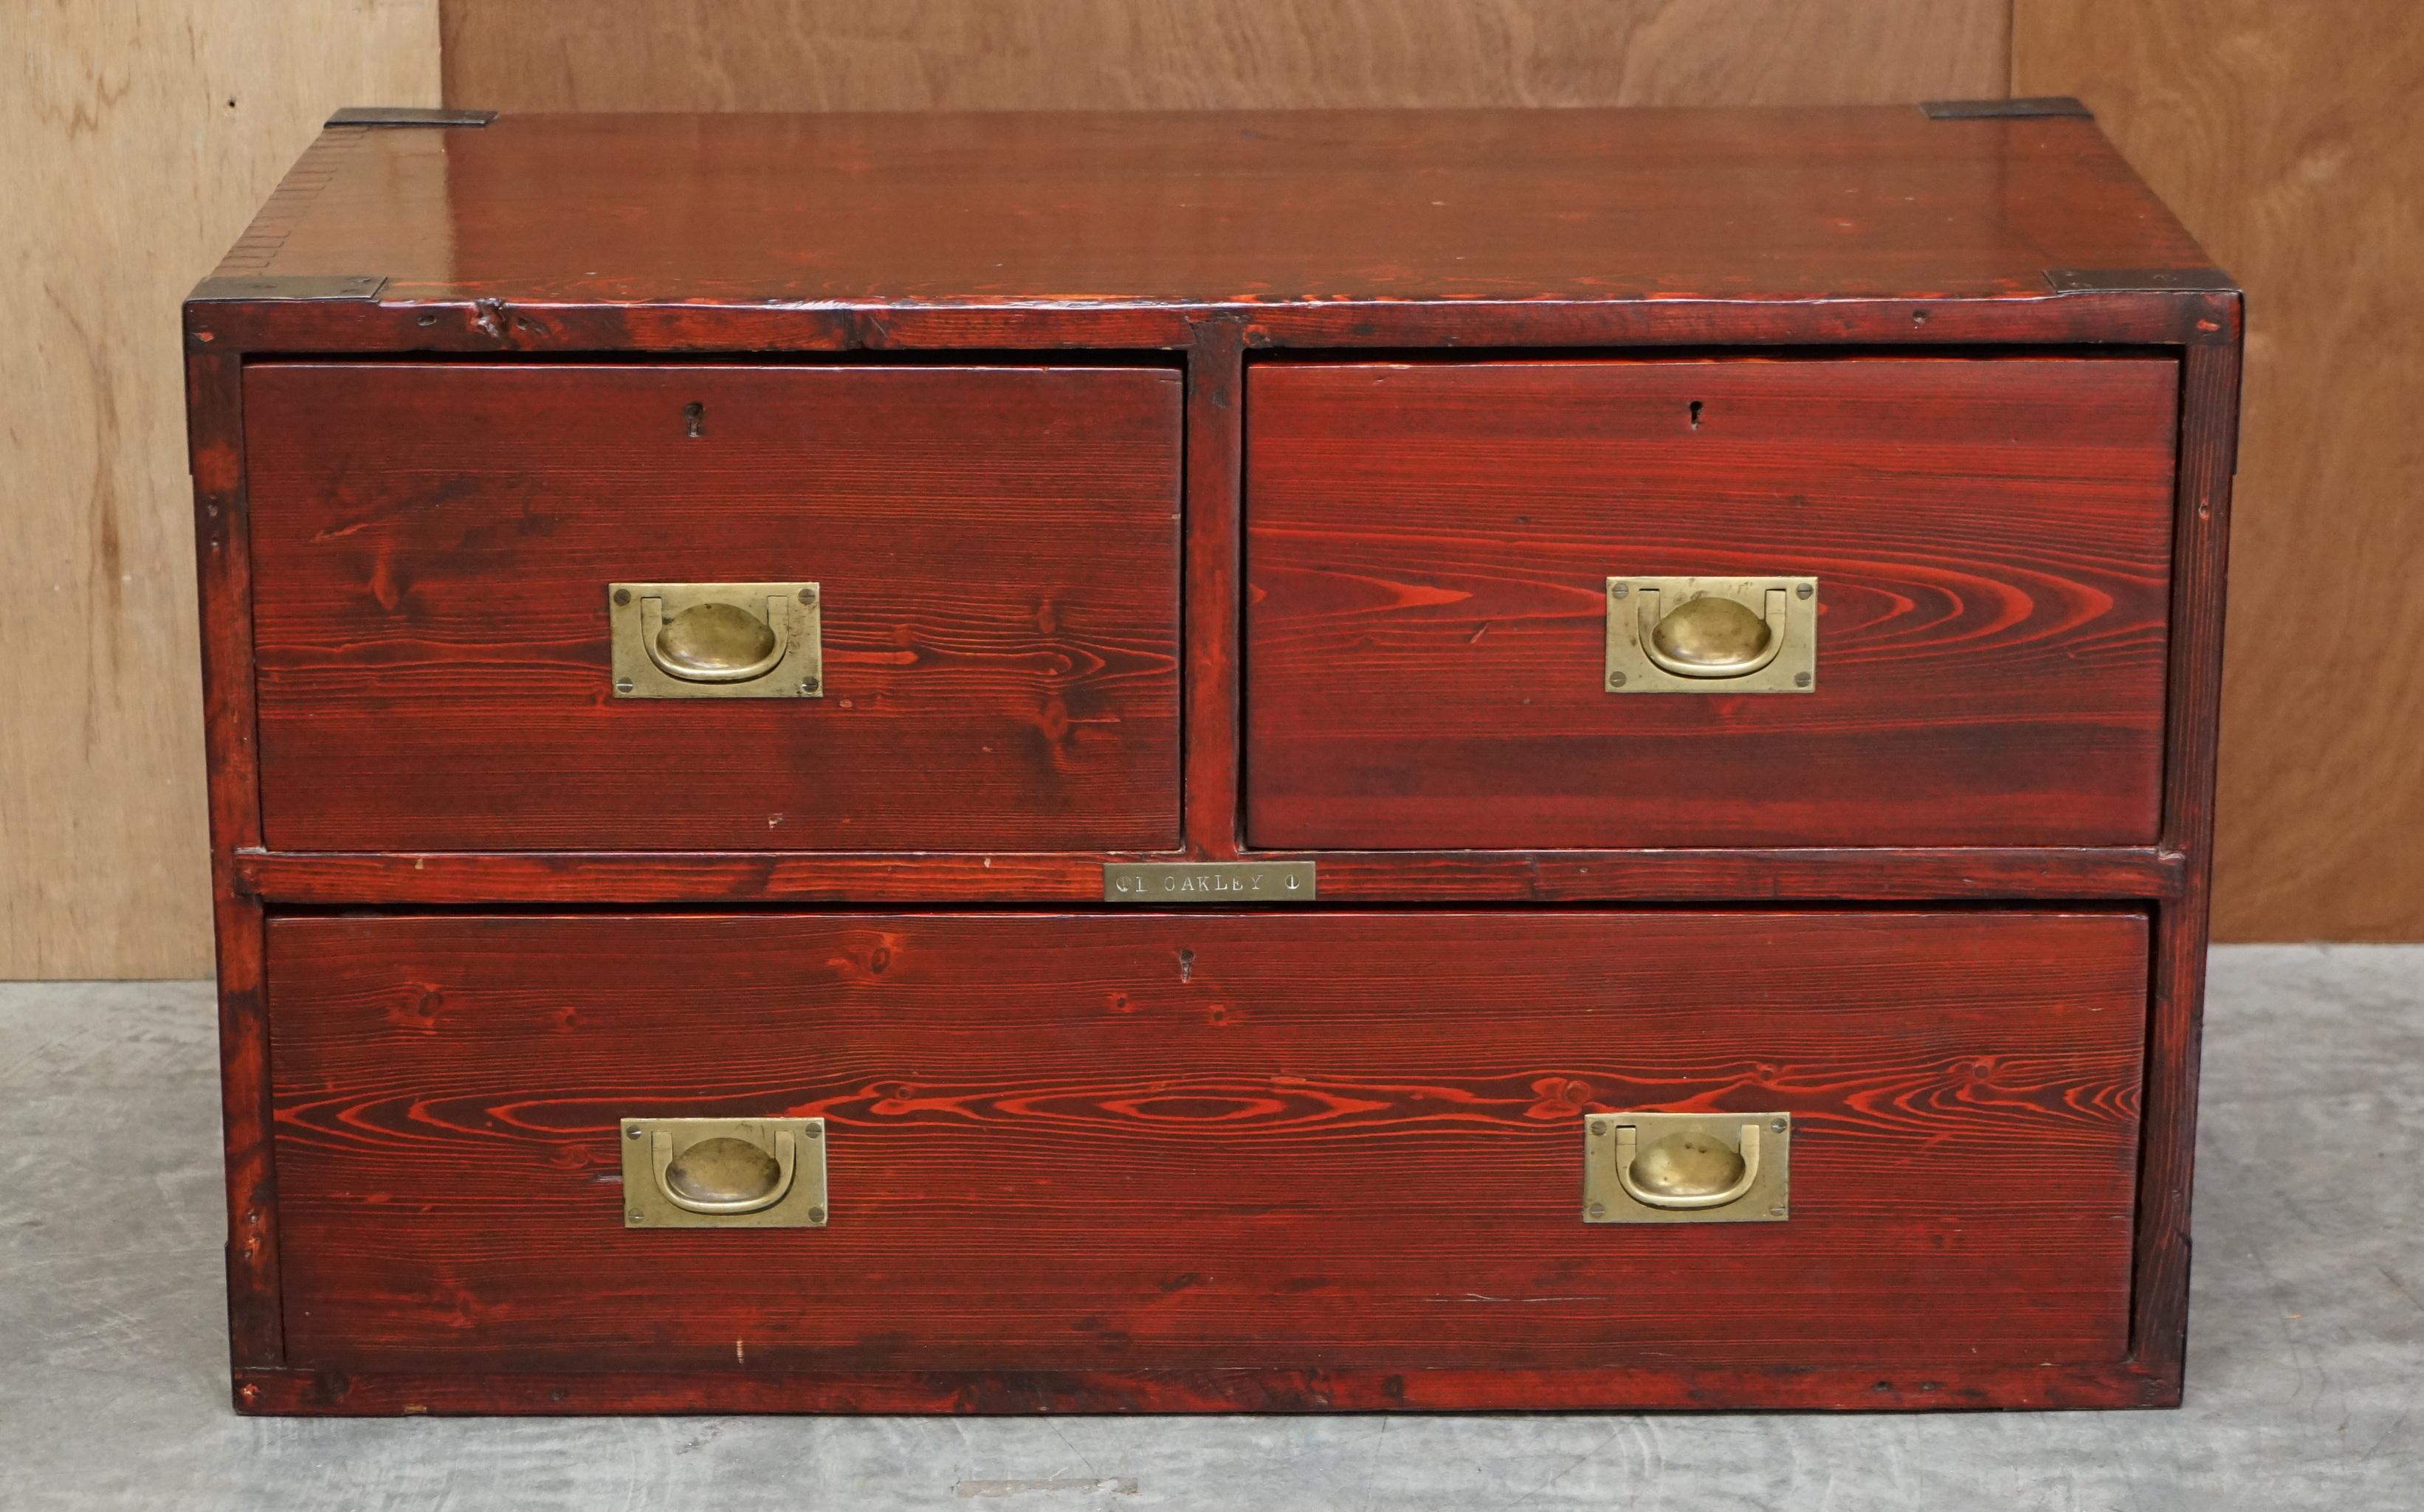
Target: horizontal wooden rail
[{"x": 1865, "y": 873}]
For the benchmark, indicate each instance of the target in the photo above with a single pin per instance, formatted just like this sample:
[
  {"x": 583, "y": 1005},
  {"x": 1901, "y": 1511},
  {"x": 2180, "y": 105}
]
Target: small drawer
[
  {"x": 1932, "y": 602},
  {"x": 663, "y": 606},
  {"x": 1022, "y": 1142}
]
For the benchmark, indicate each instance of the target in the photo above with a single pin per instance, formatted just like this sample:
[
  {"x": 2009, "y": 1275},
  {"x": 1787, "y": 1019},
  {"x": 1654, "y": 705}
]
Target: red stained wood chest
[{"x": 1361, "y": 760}]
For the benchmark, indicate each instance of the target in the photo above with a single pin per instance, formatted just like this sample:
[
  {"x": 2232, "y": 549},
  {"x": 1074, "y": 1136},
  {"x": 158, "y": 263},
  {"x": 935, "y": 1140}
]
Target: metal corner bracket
[
  {"x": 407, "y": 116},
  {"x": 2138, "y": 280},
  {"x": 255, "y": 287},
  {"x": 2020, "y": 109}
]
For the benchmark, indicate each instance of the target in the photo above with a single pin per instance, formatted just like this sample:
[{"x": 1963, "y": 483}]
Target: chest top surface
[{"x": 1218, "y": 208}]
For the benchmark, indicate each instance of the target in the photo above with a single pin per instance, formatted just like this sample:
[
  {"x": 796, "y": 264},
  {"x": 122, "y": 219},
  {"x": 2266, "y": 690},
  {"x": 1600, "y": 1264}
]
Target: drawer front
[
  {"x": 1136, "y": 1141},
  {"x": 997, "y": 551},
  {"x": 1429, "y": 550}
]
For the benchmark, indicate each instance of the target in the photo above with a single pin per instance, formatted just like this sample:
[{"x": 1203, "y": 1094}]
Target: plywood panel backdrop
[
  {"x": 144, "y": 133},
  {"x": 1031, "y": 55},
  {"x": 2290, "y": 139},
  {"x": 141, "y": 137}
]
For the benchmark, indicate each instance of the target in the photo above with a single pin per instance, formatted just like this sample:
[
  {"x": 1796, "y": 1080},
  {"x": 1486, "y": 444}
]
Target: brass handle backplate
[
  {"x": 1712, "y": 635},
  {"x": 751, "y": 1173},
  {"x": 717, "y": 640},
  {"x": 1687, "y": 1168}
]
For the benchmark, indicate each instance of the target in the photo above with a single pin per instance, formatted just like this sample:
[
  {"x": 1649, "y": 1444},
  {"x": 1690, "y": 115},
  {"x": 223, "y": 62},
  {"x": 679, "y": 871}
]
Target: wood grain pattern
[
  {"x": 1058, "y": 55},
  {"x": 999, "y": 555},
  {"x": 1797, "y": 1388},
  {"x": 2287, "y": 136},
  {"x": 854, "y": 215},
  {"x": 1428, "y": 545},
  {"x": 223, "y": 556},
  {"x": 2276, "y": 130},
  {"x": 1569, "y": 876},
  {"x": 141, "y": 136},
  {"x": 1215, "y": 421},
  {"x": 2208, "y": 448},
  {"x": 772, "y": 325},
  {"x": 1997, "y": 1231},
  {"x": 1123, "y": 1141}
]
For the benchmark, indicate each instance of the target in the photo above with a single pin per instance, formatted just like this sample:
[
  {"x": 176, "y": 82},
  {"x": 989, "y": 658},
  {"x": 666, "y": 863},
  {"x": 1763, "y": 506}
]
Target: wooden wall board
[
  {"x": 2277, "y": 131},
  {"x": 143, "y": 135},
  {"x": 2286, "y": 137},
  {"x": 1009, "y": 54}
]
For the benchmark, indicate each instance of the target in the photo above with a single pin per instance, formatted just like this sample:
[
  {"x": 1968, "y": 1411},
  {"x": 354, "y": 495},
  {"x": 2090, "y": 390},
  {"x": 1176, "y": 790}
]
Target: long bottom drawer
[{"x": 1300, "y": 1140}]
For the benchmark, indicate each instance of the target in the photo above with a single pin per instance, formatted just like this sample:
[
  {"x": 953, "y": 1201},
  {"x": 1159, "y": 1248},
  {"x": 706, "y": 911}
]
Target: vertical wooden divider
[{"x": 1213, "y": 575}]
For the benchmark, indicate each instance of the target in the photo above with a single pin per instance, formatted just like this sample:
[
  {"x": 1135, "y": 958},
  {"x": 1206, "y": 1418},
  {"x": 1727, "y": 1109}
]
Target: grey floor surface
[{"x": 2306, "y": 1380}]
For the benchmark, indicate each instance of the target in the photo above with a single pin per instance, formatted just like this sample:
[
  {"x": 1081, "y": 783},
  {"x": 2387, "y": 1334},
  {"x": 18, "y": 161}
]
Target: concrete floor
[{"x": 2305, "y": 1379}]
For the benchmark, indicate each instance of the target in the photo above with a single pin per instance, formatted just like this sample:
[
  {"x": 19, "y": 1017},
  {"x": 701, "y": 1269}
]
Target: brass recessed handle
[
  {"x": 1711, "y": 635},
  {"x": 1687, "y": 1169},
  {"x": 723, "y": 1174},
  {"x": 714, "y": 642},
  {"x": 747, "y": 1173}
]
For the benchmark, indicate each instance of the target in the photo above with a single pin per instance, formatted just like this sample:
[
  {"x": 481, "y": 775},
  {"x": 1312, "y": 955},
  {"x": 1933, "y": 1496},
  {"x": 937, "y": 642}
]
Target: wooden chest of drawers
[{"x": 1188, "y": 762}]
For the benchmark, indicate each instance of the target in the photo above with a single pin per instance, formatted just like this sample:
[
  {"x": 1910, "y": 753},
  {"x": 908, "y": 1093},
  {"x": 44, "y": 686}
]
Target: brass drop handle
[
  {"x": 1687, "y": 1170},
  {"x": 1712, "y": 635},
  {"x": 714, "y": 642},
  {"x": 723, "y": 1174}
]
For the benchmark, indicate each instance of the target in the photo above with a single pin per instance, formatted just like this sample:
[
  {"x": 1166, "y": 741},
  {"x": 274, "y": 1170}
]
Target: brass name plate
[{"x": 1208, "y": 881}]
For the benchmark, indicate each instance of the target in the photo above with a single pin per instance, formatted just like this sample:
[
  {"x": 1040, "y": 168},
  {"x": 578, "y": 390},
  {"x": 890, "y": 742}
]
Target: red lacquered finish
[
  {"x": 998, "y": 552},
  {"x": 1136, "y": 1141},
  {"x": 993, "y": 381},
  {"x": 1427, "y": 553}
]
